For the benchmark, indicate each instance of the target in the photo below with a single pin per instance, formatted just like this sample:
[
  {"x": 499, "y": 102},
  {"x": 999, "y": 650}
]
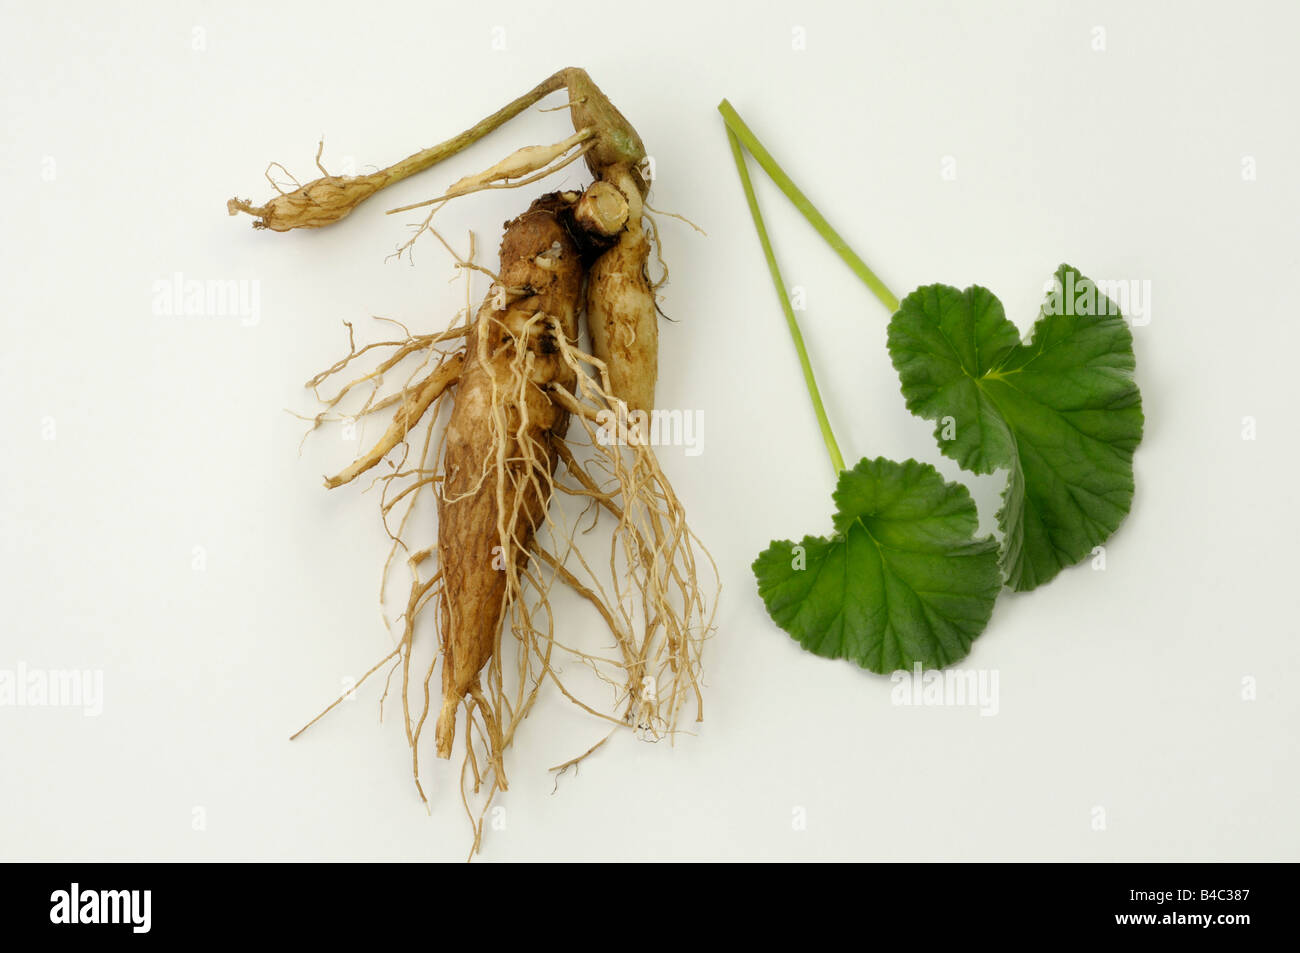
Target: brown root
[
  {"x": 653, "y": 587},
  {"x": 524, "y": 398},
  {"x": 321, "y": 202},
  {"x": 621, "y": 315},
  {"x": 499, "y": 448},
  {"x": 414, "y": 403}
]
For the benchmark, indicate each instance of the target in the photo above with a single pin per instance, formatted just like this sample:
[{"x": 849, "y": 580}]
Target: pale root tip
[
  {"x": 236, "y": 205},
  {"x": 445, "y": 732}
]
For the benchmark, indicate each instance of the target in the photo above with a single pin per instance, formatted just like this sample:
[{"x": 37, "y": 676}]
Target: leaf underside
[
  {"x": 902, "y": 580},
  {"x": 1061, "y": 412}
]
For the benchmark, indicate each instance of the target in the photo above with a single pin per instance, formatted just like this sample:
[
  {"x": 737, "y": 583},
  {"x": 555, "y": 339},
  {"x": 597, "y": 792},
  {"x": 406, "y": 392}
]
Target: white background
[{"x": 1120, "y": 690}]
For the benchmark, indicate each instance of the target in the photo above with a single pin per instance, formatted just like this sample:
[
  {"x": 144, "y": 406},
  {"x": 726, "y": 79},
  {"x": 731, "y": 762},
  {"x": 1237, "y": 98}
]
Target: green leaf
[
  {"x": 903, "y": 580},
  {"x": 1061, "y": 413}
]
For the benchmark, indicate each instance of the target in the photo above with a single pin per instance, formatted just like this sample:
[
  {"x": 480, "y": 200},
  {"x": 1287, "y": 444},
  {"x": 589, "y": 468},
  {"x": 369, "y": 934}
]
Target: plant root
[
  {"x": 653, "y": 587},
  {"x": 536, "y": 400}
]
